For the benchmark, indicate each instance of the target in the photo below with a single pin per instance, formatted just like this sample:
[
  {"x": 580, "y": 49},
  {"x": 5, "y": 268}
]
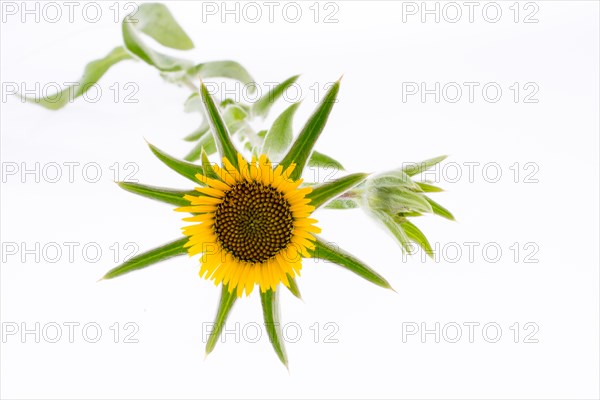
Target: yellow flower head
[{"x": 251, "y": 225}]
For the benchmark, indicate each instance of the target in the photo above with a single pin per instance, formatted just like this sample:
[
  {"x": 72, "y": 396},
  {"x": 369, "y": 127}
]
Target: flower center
[{"x": 254, "y": 222}]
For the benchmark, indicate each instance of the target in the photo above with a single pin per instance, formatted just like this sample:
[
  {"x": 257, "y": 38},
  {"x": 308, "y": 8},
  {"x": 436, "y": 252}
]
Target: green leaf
[
  {"x": 280, "y": 135},
  {"x": 410, "y": 214},
  {"x": 439, "y": 210},
  {"x": 207, "y": 166},
  {"x": 193, "y": 104},
  {"x": 428, "y": 188},
  {"x": 395, "y": 229},
  {"x": 91, "y": 75},
  {"x": 270, "y": 305},
  {"x": 148, "y": 258},
  {"x": 218, "y": 127},
  {"x": 223, "y": 69},
  {"x": 327, "y": 191},
  {"x": 303, "y": 146},
  {"x": 396, "y": 200},
  {"x": 169, "y": 196},
  {"x": 263, "y": 105},
  {"x": 395, "y": 179},
  {"x": 198, "y": 132},
  {"x": 156, "y": 21},
  {"x": 294, "y": 287},
  {"x": 329, "y": 252},
  {"x": 160, "y": 30},
  {"x": 183, "y": 168},
  {"x": 416, "y": 168},
  {"x": 321, "y": 160},
  {"x": 206, "y": 143},
  {"x": 342, "y": 204},
  {"x": 417, "y": 236},
  {"x": 225, "y": 304},
  {"x": 234, "y": 117}
]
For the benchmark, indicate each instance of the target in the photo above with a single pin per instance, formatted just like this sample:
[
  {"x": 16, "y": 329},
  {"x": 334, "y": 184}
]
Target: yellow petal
[
  {"x": 210, "y": 192},
  {"x": 242, "y": 282},
  {"x": 289, "y": 170},
  {"x": 253, "y": 169}
]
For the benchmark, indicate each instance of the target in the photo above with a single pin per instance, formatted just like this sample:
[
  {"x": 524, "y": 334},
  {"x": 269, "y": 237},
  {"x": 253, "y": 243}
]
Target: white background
[{"x": 370, "y": 129}]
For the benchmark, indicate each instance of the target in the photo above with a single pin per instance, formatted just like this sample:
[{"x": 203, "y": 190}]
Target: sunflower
[
  {"x": 251, "y": 221},
  {"x": 251, "y": 225}
]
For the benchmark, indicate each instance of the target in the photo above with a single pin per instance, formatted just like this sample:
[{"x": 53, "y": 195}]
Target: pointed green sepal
[
  {"x": 166, "y": 251},
  {"x": 439, "y": 210},
  {"x": 395, "y": 229},
  {"x": 412, "y": 169},
  {"x": 218, "y": 128},
  {"x": 183, "y": 168},
  {"x": 293, "y": 288},
  {"x": 321, "y": 194},
  {"x": 209, "y": 172},
  {"x": 270, "y": 305},
  {"x": 330, "y": 252},
  {"x": 263, "y": 105},
  {"x": 417, "y": 236},
  {"x": 300, "y": 151},
  {"x": 321, "y": 160},
  {"x": 429, "y": 188},
  {"x": 169, "y": 196},
  {"x": 225, "y": 304}
]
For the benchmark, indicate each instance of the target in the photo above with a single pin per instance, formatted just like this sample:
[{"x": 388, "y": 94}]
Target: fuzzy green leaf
[
  {"x": 395, "y": 229},
  {"x": 218, "y": 128},
  {"x": 342, "y": 204},
  {"x": 263, "y": 105},
  {"x": 321, "y": 160},
  {"x": 428, "y": 188},
  {"x": 225, "y": 304},
  {"x": 329, "y": 252},
  {"x": 169, "y": 196},
  {"x": 207, "y": 166},
  {"x": 396, "y": 200},
  {"x": 149, "y": 19},
  {"x": 416, "y": 168},
  {"x": 294, "y": 289},
  {"x": 156, "y": 21},
  {"x": 198, "y": 132},
  {"x": 206, "y": 143},
  {"x": 234, "y": 117},
  {"x": 148, "y": 258},
  {"x": 303, "y": 146},
  {"x": 394, "y": 179},
  {"x": 193, "y": 104},
  {"x": 439, "y": 210},
  {"x": 270, "y": 305},
  {"x": 321, "y": 194},
  {"x": 279, "y": 137},
  {"x": 91, "y": 75},
  {"x": 417, "y": 236},
  {"x": 223, "y": 69},
  {"x": 183, "y": 168},
  {"x": 410, "y": 214}
]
